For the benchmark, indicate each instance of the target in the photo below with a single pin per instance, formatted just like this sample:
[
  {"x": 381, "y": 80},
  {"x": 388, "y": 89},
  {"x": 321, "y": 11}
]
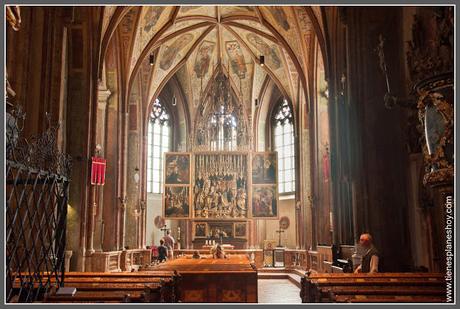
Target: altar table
[{"x": 210, "y": 280}]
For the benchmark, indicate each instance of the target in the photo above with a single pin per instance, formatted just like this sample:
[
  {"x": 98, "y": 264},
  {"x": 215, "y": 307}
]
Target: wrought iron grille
[{"x": 36, "y": 212}]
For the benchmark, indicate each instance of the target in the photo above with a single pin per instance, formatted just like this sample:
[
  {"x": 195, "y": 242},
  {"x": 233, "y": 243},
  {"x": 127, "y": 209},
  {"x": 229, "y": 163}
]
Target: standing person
[
  {"x": 370, "y": 260},
  {"x": 169, "y": 243},
  {"x": 162, "y": 251}
]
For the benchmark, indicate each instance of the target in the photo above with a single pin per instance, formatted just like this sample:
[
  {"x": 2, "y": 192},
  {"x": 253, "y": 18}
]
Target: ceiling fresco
[
  {"x": 201, "y": 66},
  {"x": 229, "y": 11},
  {"x": 274, "y": 64},
  {"x": 192, "y": 42},
  {"x": 170, "y": 54},
  {"x": 252, "y": 25},
  {"x": 284, "y": 21},
  {"x": 238, "y": 61},
  {"x": 187, "y": 11},
  {"x": 151, "y": 20}
]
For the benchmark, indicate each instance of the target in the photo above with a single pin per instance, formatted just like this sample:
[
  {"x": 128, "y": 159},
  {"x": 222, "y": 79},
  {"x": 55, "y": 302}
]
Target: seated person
[
  {"x": 162, "y": 251},
  {"x": 196, "y": 255},
  {"x": 219, "y": 253},
  {"x": 370, "y": 260}
]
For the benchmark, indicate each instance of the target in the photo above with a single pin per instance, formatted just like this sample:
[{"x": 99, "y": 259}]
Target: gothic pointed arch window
[
  {"x": 158, "y": 142},
  {"x": 283, "y": 142}
]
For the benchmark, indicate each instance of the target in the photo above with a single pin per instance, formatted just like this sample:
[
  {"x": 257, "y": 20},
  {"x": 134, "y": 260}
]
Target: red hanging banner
[{"x": 98, "y": 166}]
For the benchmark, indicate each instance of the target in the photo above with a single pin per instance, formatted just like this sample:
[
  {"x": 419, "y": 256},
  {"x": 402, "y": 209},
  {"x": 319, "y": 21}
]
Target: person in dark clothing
[
  {"x": 162, "y": 251},
  {"x": 196, "y": 255},
  {"x": 370, "y": 260}
]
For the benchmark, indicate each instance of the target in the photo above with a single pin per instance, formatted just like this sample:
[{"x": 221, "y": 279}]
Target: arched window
[
  {"x": 283, "y": 142},
  {"x": 159, "y": 141}
]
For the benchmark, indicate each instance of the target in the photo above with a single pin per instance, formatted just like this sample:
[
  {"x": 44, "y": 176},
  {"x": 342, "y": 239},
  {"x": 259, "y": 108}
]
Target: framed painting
[
  {"x": 264, "y": 168},
  {"x": 200, "y": 230},
  {"x": 177, "y": 168},
  {"x": 264, "y": 202},
  {"x": 220, "y": 229},
  {"x": 176, "y": 202},
  {"x": 239, "y": 229}
]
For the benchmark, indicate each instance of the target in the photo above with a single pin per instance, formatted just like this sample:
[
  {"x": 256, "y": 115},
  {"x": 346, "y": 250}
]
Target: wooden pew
[
  {"x": 379, "y": 287},
  {"x": 97, "y": 296},
  {"x": 161, "y": 286}
]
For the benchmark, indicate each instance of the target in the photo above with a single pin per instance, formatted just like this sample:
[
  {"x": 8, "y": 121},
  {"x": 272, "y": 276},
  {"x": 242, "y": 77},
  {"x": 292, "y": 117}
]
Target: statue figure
[{"x": 241, "y": 203}]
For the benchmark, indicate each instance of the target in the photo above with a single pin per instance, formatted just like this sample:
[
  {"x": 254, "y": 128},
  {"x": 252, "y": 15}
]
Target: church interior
[{"x": 230, "y": 154}]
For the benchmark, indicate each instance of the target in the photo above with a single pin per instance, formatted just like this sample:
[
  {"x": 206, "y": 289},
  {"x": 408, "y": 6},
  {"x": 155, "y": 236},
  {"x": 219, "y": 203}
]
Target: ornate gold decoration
[
  {"x": 221, "y": 184},
  {"x": 221, "y": 124},
  {"x": 439, "y": 167}
]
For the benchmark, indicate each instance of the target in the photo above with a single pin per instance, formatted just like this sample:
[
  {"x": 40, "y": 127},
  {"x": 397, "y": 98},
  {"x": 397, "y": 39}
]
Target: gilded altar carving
[
  {"x": 220, "y": 188},
  {"x": 221, "y": 122}
]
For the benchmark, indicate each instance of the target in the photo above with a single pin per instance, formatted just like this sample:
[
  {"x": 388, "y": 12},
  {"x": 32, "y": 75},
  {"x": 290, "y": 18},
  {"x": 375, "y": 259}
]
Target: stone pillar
[
  {"x": 143, "y": 186},
  {"x": 123, "y": 173},
  {"x": 121, "y": 223},
  {"x": 68, "y": 255},
  {"x": 132, "y": 189},
  {"x": 103, "y": 96}
]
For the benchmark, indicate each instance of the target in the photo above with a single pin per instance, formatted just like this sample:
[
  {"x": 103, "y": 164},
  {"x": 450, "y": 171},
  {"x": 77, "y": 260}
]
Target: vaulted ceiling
[{"x": 193, "y": 42}]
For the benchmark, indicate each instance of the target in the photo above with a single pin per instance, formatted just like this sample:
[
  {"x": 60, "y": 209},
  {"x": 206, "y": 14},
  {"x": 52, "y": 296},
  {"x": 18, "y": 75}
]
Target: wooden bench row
[
  {"x": 110, "y": 287},
  {"x": 379, "y": 287}
]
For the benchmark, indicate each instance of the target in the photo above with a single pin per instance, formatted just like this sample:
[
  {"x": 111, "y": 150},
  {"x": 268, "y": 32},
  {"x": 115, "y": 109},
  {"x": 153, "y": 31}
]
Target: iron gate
[{"x": 36, "y": 211}]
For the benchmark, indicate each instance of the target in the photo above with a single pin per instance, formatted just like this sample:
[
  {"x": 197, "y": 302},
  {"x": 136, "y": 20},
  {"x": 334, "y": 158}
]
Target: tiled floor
[{"x": 272, "y": 291}]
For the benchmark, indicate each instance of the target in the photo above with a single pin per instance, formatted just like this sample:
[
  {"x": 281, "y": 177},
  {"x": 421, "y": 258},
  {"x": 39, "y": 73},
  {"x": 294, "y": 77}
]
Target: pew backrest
[{"x": 345, "y": 287}]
